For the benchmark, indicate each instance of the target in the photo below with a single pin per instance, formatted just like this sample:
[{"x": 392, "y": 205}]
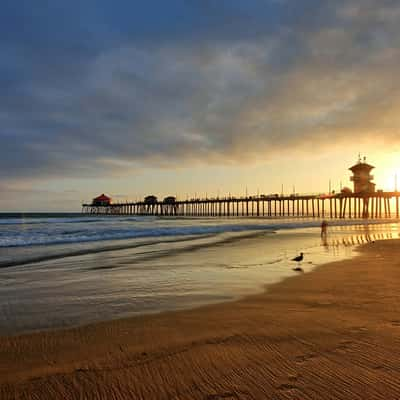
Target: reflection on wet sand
[{"x": 354, "y": 240}]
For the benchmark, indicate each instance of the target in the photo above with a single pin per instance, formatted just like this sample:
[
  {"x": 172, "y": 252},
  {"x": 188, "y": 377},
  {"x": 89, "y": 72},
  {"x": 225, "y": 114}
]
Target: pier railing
[{"x": 322, "y": 205}]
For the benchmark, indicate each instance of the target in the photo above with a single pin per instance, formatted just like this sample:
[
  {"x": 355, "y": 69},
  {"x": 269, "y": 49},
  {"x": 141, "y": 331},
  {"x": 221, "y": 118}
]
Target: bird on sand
[{"x": 298, "y": 258}]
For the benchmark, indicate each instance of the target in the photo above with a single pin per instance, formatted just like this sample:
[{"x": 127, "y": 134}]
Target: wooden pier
[{"x": 341, "y": 205}]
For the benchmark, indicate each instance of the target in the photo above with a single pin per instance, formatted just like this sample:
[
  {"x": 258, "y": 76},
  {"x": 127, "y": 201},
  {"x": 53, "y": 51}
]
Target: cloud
[{"x": 314, "y": 76}]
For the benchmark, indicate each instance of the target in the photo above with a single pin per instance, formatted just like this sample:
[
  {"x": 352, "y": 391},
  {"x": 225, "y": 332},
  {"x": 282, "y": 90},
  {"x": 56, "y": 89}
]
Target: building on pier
[
  {"x": 362, "y": 178},
  {"x": 101, "y": 200},
  {"x": 151, "y": 199},
  {"x": 169, "y": 200}
]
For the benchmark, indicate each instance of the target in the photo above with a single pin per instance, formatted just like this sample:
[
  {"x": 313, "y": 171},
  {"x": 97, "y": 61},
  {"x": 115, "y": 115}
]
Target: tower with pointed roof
[{"x": 362, "y": 178}]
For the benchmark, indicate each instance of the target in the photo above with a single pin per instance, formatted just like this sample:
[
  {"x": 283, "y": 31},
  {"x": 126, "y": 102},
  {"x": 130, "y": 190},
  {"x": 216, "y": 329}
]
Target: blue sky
[{"x": 133, "y": 97}]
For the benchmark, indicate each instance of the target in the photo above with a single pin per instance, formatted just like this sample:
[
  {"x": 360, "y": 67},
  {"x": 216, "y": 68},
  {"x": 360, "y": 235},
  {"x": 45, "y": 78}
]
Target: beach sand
[{"x": 330, "y": 334}]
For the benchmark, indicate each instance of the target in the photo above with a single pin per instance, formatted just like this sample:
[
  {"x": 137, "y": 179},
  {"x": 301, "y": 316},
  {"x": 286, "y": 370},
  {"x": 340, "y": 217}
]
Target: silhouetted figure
[{"x": 324, "y": 227}]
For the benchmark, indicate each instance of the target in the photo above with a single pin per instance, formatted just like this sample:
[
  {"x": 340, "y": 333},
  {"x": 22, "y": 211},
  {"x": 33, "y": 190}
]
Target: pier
[
  {"x": 341, "y": 205},
  {"x": 364, "y": 202}
]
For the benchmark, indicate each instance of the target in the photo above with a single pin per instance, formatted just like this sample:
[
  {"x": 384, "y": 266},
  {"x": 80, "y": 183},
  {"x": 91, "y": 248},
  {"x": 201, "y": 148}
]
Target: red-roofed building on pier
[{"x": 101, "y": 200}]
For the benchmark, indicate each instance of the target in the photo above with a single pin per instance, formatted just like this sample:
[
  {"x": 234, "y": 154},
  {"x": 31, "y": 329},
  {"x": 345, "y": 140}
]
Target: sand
[{"x": 330, "y": 334}]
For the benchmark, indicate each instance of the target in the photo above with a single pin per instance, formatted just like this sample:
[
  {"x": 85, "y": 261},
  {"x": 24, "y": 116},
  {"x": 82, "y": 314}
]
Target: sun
[
  {"x": 389, "y": 180},
  {"x": 387, "y": 171}
]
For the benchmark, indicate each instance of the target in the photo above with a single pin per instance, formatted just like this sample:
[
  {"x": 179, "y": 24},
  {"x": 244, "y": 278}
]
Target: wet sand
[{"x": 330, "y": 334}]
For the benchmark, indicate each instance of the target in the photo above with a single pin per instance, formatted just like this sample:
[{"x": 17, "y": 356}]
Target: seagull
[{"x": 298, "y": 258}]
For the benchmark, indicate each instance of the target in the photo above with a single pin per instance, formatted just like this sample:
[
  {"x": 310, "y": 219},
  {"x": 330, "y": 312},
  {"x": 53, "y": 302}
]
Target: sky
[{"x": 194, "y": 97}]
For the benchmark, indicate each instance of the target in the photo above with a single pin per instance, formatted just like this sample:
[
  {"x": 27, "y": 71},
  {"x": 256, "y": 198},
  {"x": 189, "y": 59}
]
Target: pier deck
[{"x": 349, "y": 205}]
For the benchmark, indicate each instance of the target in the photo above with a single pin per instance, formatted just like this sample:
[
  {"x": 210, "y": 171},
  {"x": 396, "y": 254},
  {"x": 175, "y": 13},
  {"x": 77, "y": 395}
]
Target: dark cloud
[{"x": 86, "y": 88}]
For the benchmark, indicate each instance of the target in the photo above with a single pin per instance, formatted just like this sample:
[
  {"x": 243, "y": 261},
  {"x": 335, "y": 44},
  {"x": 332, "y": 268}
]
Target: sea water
[{"x": 62, "y": 270}]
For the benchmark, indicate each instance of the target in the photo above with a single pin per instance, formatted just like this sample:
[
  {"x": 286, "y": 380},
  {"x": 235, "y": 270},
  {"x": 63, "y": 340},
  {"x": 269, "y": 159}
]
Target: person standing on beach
[{"x": 324, "y": 227}]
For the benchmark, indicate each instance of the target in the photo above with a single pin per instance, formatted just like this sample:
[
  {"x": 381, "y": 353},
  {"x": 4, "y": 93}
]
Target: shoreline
[
  {"x": 331, "y": 333},
  {"x": 256, "y": 289}
]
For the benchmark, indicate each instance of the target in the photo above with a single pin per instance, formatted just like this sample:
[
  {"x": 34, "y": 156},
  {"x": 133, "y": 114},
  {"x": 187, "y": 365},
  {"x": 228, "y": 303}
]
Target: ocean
[{"x": 63, "y": 270}]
